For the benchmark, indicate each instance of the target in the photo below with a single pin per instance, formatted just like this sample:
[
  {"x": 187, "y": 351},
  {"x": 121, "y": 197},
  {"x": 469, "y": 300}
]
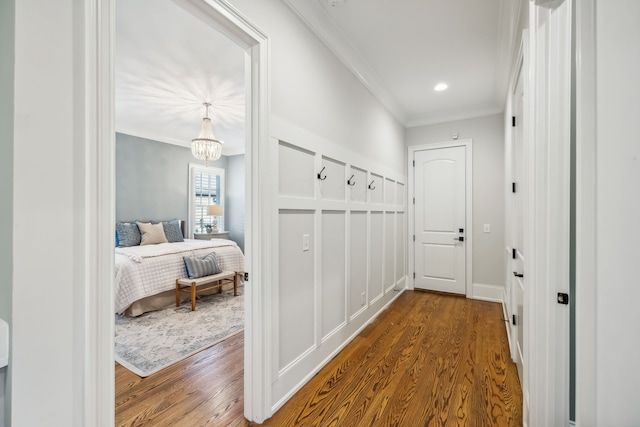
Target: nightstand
[{"x": 209, "y": 236}]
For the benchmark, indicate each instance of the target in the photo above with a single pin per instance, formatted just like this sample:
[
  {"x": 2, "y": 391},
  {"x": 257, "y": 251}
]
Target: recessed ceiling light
[
  {"x": 335, "y": 2},
  {"x": 440, "y": 87}
]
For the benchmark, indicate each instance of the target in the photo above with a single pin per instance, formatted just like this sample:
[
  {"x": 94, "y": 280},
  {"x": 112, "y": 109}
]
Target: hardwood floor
[{"x": 430, "y": 359}]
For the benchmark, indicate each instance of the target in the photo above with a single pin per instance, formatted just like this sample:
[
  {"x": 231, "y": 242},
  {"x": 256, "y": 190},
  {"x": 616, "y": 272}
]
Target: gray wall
[
  {"x": 235, "y": 198},
  {"x": 7, "y": 50},
  {"x": 152, "y": 179},
  {"x": 488, "y": 187}
]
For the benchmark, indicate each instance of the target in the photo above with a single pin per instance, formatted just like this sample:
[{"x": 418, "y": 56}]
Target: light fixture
[
  {"x": 206, "y": 147},
  {"x": 440, "y": 87},
  {"x": 215, "y": 211}
]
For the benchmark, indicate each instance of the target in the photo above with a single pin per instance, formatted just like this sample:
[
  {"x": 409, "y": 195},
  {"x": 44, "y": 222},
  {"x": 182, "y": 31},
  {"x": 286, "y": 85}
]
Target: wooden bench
[{"x": 190, "y": 286}]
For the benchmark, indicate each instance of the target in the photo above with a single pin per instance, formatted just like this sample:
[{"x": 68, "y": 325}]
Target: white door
[
  {"x": 517, "y": 244},
  {"x": 440, "y": 219}
]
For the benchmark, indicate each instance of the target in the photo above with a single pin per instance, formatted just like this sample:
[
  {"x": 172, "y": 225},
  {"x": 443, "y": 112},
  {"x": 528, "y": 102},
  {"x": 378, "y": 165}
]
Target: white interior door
[
  {"x": 517, "y": 244},
  {"x": 440, "y": 219}
]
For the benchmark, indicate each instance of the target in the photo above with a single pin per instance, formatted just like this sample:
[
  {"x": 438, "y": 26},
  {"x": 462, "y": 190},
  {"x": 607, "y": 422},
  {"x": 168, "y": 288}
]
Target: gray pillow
[
  {"x": 127, "y": 234},
  {"x": 201, "y": 267},
  {"x": 172, "y": 231}
]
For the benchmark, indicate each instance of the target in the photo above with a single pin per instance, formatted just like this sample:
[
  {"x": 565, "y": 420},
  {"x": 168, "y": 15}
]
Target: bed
[{"x": 145, "y": 276}]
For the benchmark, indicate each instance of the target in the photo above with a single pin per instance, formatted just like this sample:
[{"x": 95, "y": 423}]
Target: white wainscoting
[{"x": 341, "y": 237}]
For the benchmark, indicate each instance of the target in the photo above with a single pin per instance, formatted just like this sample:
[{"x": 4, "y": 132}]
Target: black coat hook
[
  {"x": 320, "y": 177},
  {"x": 370, "y": 185},
  {"x": 351, "y": 183}
]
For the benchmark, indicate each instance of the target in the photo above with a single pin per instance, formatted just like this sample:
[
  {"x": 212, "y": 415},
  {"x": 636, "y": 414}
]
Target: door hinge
[
  {"x": 414, "y": 274},
  {"x": 414, "y": 200},
  {"x": 246, "y": 277},
  {"x": 513, "y": 253},
  {"x": 414, "y": 163},
  {"x": 414, "y": 237},
  {"x": 563, "y": 298},
  {"x": 513, "y": 319},
  {"x": 513, "y": 121},
  {"x": 513, "y": 187}
]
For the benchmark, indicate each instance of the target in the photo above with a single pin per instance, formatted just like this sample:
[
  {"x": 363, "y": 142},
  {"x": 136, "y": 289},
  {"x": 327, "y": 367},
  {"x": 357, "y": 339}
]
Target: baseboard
[{"x": 484, "y": 292}]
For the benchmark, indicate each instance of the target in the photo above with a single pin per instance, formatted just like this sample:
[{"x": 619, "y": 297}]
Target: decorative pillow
[
  {"x": 151, "y": 233},
  {"x": 201, "y": 267},
  {"x": 127, "y": 234},
  {"x": 172, "y": 231}
]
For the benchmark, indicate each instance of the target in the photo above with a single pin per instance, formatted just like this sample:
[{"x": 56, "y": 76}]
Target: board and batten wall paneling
[
  {"x": 358, "y": 186},
  {"x": 358, "y": 262},
  {"x": 332, "y": 184},
  {"x": 400, "y": 246},
  {"x": 376, "y": 187},
  {"x": 296, "y": 287},
  {"x": 375, "y": 256},
  {"x": 330, "y": 291},
  {"x": 333, "y": 285},
  {"x": 389, "y": 250},
  {"x": 296, "y": 177}
]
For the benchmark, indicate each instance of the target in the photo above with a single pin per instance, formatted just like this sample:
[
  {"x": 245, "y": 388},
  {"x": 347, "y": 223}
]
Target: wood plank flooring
[{"x": 430, "y": 360}]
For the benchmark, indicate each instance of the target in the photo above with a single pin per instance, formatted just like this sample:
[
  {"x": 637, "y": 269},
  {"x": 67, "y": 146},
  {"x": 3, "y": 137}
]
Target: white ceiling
[
  {"x": 400, "y": 49},
  {"x": 167, "y": 64}
]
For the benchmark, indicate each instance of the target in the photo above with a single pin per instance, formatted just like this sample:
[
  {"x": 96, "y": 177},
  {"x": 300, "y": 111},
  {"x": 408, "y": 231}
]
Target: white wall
[
  {"x": 617, "y": 212},
  {"x": 6, "y": 190},
  {"x": 311, "y": 89},
  {"x": 488, "y": 187}
]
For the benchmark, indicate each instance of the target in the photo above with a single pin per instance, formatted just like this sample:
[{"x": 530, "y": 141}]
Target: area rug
[{"x": 155, "y": 340}]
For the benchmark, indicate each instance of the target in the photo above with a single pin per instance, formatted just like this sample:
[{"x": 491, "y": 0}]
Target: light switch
[
  {"x": 487, "y": 228},
  {"x": 305, "y": 242}
]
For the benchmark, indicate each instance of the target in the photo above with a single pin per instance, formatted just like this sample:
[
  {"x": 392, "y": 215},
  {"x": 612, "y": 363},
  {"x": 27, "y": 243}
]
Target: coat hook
[
  {"x": 351, "y": 183},
  {"x": 320, "y": 177},
  {"x": 370, "y": 185}
]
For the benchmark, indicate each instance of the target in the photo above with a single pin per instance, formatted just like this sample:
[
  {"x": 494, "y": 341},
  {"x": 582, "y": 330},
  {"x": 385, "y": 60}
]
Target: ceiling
[
  {"x": 399, "y": 49},
  {"x": 163, "y": 74}
]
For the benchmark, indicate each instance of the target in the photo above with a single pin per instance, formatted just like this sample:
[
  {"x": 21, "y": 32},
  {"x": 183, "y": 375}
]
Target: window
[{"x": 206, "y": 187}]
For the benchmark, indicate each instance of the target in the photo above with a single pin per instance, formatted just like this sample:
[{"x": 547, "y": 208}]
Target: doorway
[
  {"x": 441, "y": 232},
  {"x": 257, "y": 258}
]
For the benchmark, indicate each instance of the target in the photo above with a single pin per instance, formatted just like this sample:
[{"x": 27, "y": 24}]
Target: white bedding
[{"x": 143, "y": 271}]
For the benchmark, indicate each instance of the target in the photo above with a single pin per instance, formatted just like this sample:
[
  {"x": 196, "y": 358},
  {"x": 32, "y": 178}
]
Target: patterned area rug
[{"x": 155, "y": 340}]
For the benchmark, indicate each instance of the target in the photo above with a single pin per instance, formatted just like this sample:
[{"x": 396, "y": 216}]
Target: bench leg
[
  {"x": 235, "y": 285},
  {"x": 193, "y": 296},
  {"x": 177, "y": 293}
]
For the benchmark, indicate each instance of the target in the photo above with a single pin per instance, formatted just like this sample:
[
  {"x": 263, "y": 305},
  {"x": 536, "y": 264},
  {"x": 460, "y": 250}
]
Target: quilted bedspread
[{"x": 143, "y": 271}]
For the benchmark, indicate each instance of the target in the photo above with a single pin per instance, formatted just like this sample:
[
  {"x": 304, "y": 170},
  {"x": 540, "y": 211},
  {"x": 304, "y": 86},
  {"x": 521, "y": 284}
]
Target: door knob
[{"x": 515, "y": 273}]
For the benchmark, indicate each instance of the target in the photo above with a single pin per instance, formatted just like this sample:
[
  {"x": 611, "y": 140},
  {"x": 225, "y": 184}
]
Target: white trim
[
  {"x": 467, "y": 143},
  {"x": 586, "y": 197},
  {"x": 196, "y": 167},
  {"x": 326, "y": 360},
  {"x": 491, "y": 293},
  {"x": 547, "y": 123},
  {"x": 98, "y": 386}
]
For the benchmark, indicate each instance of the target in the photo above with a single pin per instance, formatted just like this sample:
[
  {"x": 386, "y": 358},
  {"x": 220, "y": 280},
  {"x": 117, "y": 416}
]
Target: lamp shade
[{"x": 215, "y": 210}]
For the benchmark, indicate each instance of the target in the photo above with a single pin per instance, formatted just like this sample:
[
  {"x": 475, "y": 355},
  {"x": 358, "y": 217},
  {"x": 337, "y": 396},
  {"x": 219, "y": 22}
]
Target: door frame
[
  {"x": 547, "y": 130},
  {"x": 97, "y": 23},
  {"x": 467, "y": 144}
]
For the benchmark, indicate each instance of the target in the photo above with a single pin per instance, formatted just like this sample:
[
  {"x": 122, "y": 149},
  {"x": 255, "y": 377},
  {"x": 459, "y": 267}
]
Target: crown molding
[
  {"x": 313, "y": 15},
  {"x": 456, "y": 114}
]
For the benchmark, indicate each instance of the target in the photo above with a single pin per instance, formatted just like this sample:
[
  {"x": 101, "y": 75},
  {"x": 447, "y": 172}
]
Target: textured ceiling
[{"x": 163, "y": 74}]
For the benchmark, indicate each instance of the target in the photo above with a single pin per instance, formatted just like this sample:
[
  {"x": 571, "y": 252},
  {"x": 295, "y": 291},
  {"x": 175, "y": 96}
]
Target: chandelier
[{"x": 206, "y": 147}]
